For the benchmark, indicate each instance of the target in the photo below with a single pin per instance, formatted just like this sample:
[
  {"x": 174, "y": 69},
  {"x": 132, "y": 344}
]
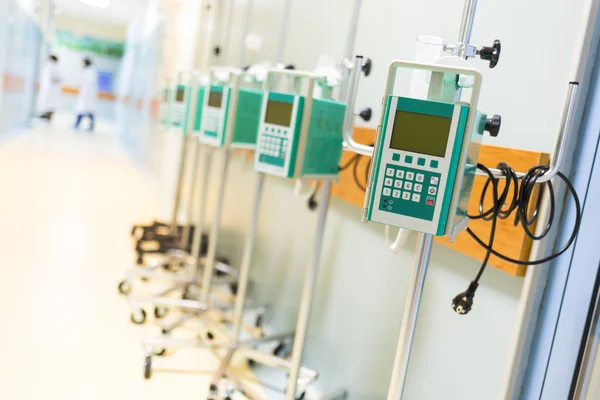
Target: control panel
[
  {"x": 278, "y": 133},
  {"x": 415, "y": 163},
  {"x": 177, "y": 111},
  {"x": 213, "y": 121}
]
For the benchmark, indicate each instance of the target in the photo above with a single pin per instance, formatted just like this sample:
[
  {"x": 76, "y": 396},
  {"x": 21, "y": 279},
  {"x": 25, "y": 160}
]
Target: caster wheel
[
  {"x": 251, "y": 363},
  {"x": 302, "y": 396},
  {"x": 140, "y": 260},
  {"x": 210, "y": 335},
  {"x": 161, "y": 353},
  {"x": 125, "y": 287},
  {"x": 148, "y": 367},
  {"x": 138, "y": 317},
  {"x": 160, "y": 312}
]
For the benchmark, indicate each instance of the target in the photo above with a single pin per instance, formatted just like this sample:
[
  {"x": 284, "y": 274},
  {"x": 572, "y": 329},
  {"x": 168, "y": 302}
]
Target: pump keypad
[
  {"x": 409, "y": 191},
  {"x": 273, "y": 150}
]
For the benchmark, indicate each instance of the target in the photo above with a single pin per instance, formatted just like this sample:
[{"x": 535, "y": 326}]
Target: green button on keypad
[
  {"x": 396, "y": 157},
  {"x": 421, "y": 162},
  {"x": 434, "y": 163},
  {"x": 408, "y": 159}
]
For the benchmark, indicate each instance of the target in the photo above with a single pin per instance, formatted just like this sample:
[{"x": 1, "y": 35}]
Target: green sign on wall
[{"x": 90, "y": 44}]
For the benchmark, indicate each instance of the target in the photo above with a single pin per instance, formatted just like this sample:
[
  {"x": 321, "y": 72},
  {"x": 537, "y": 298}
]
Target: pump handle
[
  {"x": 492, "y": 125},
  {"x": 491, "y": 54},
  {"x": 366, "y": 114}
]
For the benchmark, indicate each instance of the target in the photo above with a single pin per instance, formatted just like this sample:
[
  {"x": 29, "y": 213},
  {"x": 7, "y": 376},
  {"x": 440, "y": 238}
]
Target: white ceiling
[{"x": 119, "y": 12}]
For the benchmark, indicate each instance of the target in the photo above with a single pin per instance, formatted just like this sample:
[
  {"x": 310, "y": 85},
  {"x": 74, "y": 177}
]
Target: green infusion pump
[
  {"x": 416, "y": 162},
  {"x": 165, "y": 105},
  {"x": 179, "y": 106},
  {"x": 213, "y": 119},
  {"x": 291, "y": 143}
]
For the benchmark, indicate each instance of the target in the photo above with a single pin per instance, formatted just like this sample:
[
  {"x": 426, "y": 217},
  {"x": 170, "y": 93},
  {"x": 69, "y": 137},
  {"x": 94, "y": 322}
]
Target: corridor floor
[{"x": 67, "y": 204}]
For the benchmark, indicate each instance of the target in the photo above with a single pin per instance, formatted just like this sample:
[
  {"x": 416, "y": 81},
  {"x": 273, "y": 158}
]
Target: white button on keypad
[
  {"x": 408, "y": 185},
  {"x": 418, "y": 187},
  {"x": 410, "y": 176},
  {"x": 387, "y": 191},
  {"x": 399, "y": 174},
  {"x": 396, "y": 194},
  {"x": 432, "y": 191},
  {"x": 416, "y": 198},
  {"x": 405, "y": 196},
  {"x": 398, "y": 184},
  {"x": 388, "y": 182},
  {"x": 434, "y": 180},
  {"x": 420, "y": 177},
  {"x": 389, "y": 172}
]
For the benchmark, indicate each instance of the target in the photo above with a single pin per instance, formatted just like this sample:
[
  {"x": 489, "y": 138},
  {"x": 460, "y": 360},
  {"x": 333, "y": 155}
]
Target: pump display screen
[
  {"x": 180, "y": 95},
  {"x": 279, "y": 113},
  {"x": 215, "y": 99},
  {"x": 420, "y": 133}
]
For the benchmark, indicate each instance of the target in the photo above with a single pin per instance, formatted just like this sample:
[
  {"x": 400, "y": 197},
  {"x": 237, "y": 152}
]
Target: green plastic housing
[
  {"x": 325, "y": 137},
  {"x": 247, "y": 118},
  {"x": 199, "y": 106}
]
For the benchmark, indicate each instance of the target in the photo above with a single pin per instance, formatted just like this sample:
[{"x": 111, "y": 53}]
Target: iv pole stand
[{"x": 422, "y": 254}]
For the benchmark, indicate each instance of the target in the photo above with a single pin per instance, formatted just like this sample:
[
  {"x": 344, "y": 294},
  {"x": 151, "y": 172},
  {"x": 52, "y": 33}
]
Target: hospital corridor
[
  {"x": 73, "y": 332},
  {"x": 299, "y": 199}
]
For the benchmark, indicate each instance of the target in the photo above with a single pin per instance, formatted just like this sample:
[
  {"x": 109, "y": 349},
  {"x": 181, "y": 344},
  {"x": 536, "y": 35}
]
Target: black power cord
[{"x": 519, "y": 204}]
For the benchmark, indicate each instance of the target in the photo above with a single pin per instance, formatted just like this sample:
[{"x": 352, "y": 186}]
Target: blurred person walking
[
  {"x": 86, "y": 102},
  {"x": 50, "y": 88}
]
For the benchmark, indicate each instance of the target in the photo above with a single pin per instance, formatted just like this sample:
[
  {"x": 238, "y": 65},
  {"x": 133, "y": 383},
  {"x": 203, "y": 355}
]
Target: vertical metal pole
[
  {"x": 424, "y": 245},
  {"x": 308, "y": 290},
  {"x": 214, "y": 232},
  {"x": 185, "y": 236},
  {"x": 179, "y": 188},
  {"x": 466, "y": 24},
  {"x": 247, "y": 260},
  {"x": 349, "y": 53},
  {"x": 249, "y": 9},
  {"x": 228, "y": 26},
  {"x": 198, "y": 234},
  {"x": 409, "y": 317},
  {"x": 285, "y": 22}
]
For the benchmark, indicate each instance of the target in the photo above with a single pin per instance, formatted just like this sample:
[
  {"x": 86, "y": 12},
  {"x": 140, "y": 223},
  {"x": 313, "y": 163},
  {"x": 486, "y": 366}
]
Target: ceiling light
[{"x": 96, "y": 3}]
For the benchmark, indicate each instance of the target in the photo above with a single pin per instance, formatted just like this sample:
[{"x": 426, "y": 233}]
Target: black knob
[
  {"x": 491, "y": 54},
  {"x": 492, "y": 125},
  {"x": 216, "y": 50},
  {"x": 290, "y": 66},
  {"x": 463, "y": 302},
  {"x": 366, "y": 114},
  {"x": 366, "y": 67}
]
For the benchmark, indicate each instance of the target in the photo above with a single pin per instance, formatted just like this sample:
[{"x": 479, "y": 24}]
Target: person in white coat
[
  {"x": 50, "y": 89},
  {"x": 88, "y": 93}
]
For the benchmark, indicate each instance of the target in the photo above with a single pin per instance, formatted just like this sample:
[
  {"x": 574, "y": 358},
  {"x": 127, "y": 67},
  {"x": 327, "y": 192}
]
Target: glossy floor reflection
[{"x": 68, "y": 201}]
